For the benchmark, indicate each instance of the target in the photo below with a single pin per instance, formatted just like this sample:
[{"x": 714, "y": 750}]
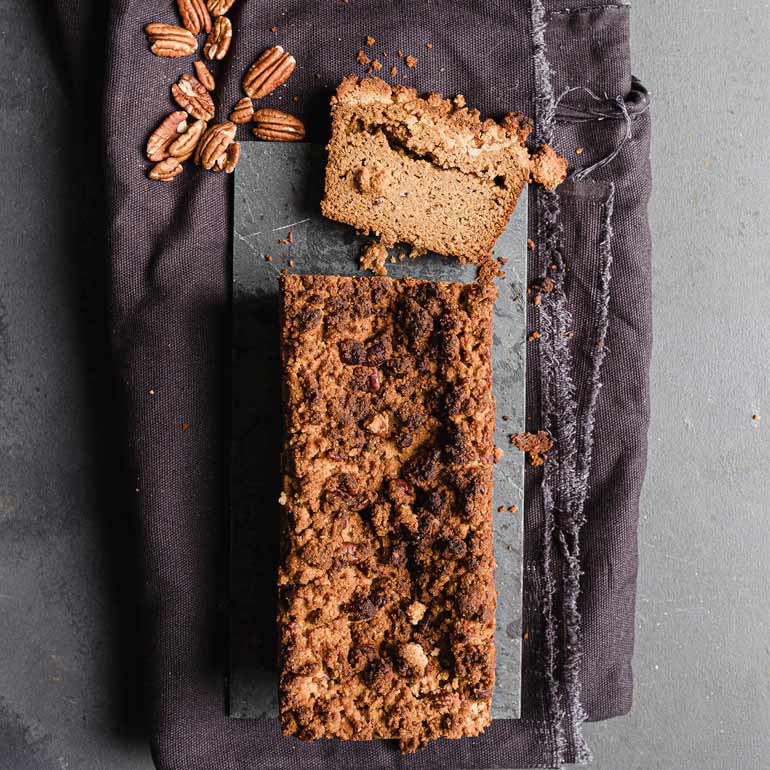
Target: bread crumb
[
  {"x": 274, "y": 29},
  {"x": 290, "y": 238},
  {"x": 536, "y": 299},
  {"x": 429, "y": 45},
  {"x": 376, "y": 66},
  {"x": 410, "y": 62},
  {"x": 394, "y": 72},
  {"x": 363, "y": 59},
  {"x": 152, "y": 391},
  {"x": 578, "y": 150},
  {"x": 268, "y": 257},
  {"x": 282, "y": 499},
  {"x": 185, "y": 426},
  {"x": 372, "y": 257},
  {"x": 291, "y": 263},
  {"x": 378, "y": 424},
  {"x": 501, "y": 509},
  {"x": 530, "y": 244},
  {"x": 506, "y": 418},
  {"x": 513, "y": 508},
  {"x": 547, "y": 168},
  {"x": 534, "y": 336},
  {"x": 370, "y": 40},
  {"x": 755, "y": 417},
  {"x": 534, "y": 444},
  {"x": 416, "y": 612},
  {"x": 414, "y": 658},
  {"x": 295, "y": 99},
  {"x": 400, "y": 54},
  {"x": 498, "y": 454}
]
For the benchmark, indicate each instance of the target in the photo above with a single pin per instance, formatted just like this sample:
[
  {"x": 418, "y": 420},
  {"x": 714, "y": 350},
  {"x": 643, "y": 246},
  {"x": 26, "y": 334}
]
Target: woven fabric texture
[{"x": 169, "y": 253}]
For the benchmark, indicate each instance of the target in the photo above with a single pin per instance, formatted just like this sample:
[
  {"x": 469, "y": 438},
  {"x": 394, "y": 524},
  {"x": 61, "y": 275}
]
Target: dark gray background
[{"x": 702, "y": 661}]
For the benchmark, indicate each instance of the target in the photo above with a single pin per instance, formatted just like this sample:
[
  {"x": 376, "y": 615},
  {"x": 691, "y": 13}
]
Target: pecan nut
[
  {"x": 184, "y": 146},
  {"x": 195, "y": 15},
  {"x": 191, "y": 95},
  {"x": 232, "y": 156},
  {"x": 272, "y": 69},
  {"x": 218, "y": 42},
  {"x": 243, "y": 111},
  {"x": 219, "y": 7},
  {"x": 166, "y": 133},
  {"x": 214, "y": 144},
  {"x": 170, "y": 41},
  {"x": 166, "y": 170},
  {"x": 203, "y": 74},
  {"x": 276, "y": 126}
]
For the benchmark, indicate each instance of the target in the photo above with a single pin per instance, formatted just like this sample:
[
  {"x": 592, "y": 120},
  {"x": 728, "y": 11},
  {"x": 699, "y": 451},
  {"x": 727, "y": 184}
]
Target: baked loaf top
[
  {"x": 426, "y": 170},
  {"x": 387, "y": 599}
]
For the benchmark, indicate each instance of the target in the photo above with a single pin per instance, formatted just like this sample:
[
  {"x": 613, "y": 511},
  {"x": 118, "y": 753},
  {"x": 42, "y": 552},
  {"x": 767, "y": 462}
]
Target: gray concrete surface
[{"x": 702, "y": 661}]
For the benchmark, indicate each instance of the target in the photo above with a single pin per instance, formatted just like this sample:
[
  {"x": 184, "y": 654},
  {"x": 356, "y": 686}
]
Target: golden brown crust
[{"x": 387, "y": 597}]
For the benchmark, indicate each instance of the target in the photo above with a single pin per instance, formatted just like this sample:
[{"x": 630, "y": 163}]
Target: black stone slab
[{"x": 277, "y": 191}]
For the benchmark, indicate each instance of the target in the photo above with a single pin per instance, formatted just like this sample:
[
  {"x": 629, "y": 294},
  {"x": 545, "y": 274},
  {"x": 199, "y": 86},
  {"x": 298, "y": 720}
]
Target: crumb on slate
[{"x": 372, "y": 257}]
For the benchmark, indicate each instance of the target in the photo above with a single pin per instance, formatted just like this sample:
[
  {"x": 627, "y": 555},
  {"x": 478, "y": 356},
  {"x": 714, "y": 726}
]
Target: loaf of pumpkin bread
[{"x": 386, "y": 590}]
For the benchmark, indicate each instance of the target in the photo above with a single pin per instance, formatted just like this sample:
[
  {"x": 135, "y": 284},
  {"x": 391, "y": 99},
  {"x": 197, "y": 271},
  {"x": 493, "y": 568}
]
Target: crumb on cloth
[{"x": 534, "y": 444}]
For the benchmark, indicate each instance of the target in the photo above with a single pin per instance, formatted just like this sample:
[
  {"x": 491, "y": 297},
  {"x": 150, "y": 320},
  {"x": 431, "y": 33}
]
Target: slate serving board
[{"x": 277, "y": 190}]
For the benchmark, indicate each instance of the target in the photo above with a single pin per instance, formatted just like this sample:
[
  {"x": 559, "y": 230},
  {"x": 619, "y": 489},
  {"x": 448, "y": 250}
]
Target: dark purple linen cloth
[{"x": 587, "y": 380}]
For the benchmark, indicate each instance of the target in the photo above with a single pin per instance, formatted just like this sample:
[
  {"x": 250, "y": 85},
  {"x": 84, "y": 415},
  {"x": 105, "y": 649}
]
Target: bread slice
[{"x": 424, "y": 170}]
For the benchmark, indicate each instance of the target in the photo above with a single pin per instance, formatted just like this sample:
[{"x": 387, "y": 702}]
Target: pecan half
[
  {"x": 270, "y": 70},
  {"x": 218, "y": 42},
  {"x": 183, "y": 147},
  {"x": 228, "y": 161},
  {"x": 195, "y": 15},
  {"x": 243, "y": 111},
  {"x": 219, "y": 7},
  {"x": 160, "y": 139},
  {"x": 203, "y": 74},
  {"x": 276, "y": 126},
  {"x": 165, "y": 170},
  {"x": 214, "y": 144},
  {"x": 170, "y": 41},
  {"x": 191, "y": 95},
  {"x": 232, "y": 156}
]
